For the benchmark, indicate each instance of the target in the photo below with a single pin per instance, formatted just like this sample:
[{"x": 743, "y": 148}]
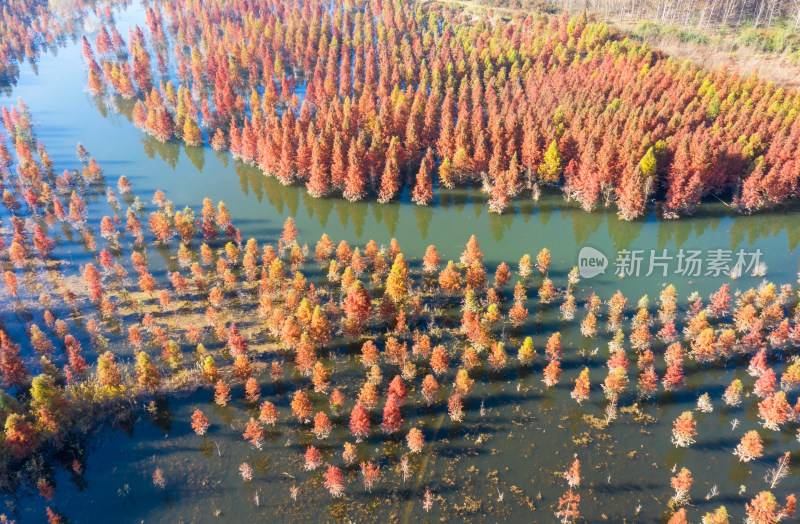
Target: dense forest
[
  {"x": 368, "y": 100},
  {"x": 758, "y": 13},
  {"x": 30, "y": 27},
  {"x": 119, "y": 329}
]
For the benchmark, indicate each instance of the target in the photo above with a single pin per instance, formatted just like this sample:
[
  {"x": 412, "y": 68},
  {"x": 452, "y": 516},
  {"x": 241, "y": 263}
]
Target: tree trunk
[{"x": 758, "y": 14}]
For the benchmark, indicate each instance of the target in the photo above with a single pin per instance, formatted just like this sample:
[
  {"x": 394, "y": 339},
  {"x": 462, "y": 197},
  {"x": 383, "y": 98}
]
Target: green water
[
  {"x": 526, "y": 432},
  {"x": 66, "y": 113}
]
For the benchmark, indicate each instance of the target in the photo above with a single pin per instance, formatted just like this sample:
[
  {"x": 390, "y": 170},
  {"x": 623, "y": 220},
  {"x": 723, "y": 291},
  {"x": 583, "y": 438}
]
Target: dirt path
[{"x": 474, "y": 6}]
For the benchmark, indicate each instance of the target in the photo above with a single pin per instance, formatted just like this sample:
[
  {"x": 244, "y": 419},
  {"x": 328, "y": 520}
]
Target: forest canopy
[{"x": 369, "y": 99}]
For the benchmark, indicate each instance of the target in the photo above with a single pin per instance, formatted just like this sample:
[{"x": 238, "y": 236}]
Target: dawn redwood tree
[
  {"x": 21, "y": 438},
  {"x": 450, "y": 278},
  {"x": 573, "y": 474},
  {"x": 305, "y": 356},
  {"x": 147, "y": 283},
  {"x": 398, "y": 390},
  {"x": 616, "y": 382},
  {"x": 165, "y": 125},
  {"x": 774, "y": 411},
  {"x": 338, "y": 163},
  {"x": 268, "y": 414},
  {"x": 319, "y": 180},
  {"x": 356, "y": 180},
  {"x": 684, "y": 430},
  {"x": 135, "y": 337},
  {"x": 765, "y": 384},
  {"x": 200, "y": 422},
  {"x": 423, "y": 189},
  {"x": 581, "y": 390},
  {"x": 750, "y": 447},
  {"x": 704, "y": 346},
  {"x": 758, "y": 364},
  {"x": 12, "y": 367},
  {"x": 547, "y": 293},
  {"x": 49, "y": 404},
  {"x": 397, "y": 283},
  {"x": 43, "y": 244},
  {"x": 618, "y": 359},
  {"x": 313, "y": 458},
  {"x": 11, "y": 283},
  {"x": 431, "y": 260},
  {"x": 252, "y": 390},
  {"x": 237, "y": 344},
  {"x": 276, "y": 371},
  {"x": 322, "y": 426},
  {"x": 289, "y": 234},
  {"x": 357, "y": 304},
  {"x": 679, "y": 517},
  {"x": 210, "y": 371},
  {"x": 108, "y": 373},
  {"x": 93, "y": 282},
  {"x": 392, "y": 419},
  {"x": 301, "y": 406},
  {"x": 41, "y": 343},
  {"x": 192, "y": 134},
  {"x": 550, "y": 169},
  {"x": 222, "y": 393},
  {"x": 455, "y": 408},
  {"x": 415, "y": 440},
  {"x": 370, "y": 473},
  {"x": 674, "y": 377},
  {"x": 497, "y": 356},
  {"x": 350, "y": 453},
  {"x": 390, "y": 179},
  {"x": 254, "y": 433},
  {"x": 518, "y": 314},
  {"x": 765, "y": 509},
  {"x": 320, "y": 378},
  {"x": 344, "y": 253},
  {"x": 320, "y": 328},
  {"x": 147, "y": 374},
  {"x": 733, "y": 393},
  {"x": 647, "y": 382},
  {"x": 718, "y": 516},
  {"x": 430, "y": 389},
  {"x": 369, "y": 354},
  {"x": 720, "y": 302},
  {"x": 359, "y": 422},
  {"x": 568, "y": 504},
  {"x": 502, "y": 276},
  {"x": 334, "y": 481},
  {"x": 463, "y": 384},
  {"x": 790, "y": 379},
  {"x": 219, "y": 141},
  {"x": 543, "y": 261},
  {"x": 553, "y": 349},
  {"x": 526, "y": 353},
  {"x": 552, "y": 373}
]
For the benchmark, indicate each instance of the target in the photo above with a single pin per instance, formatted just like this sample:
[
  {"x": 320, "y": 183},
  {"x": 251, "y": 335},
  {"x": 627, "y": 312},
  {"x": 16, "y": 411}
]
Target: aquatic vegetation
[
  {"x": 31, "y": 27},
  {"x": 267, "y": 344},
  {"x": 362, "y": 98}
]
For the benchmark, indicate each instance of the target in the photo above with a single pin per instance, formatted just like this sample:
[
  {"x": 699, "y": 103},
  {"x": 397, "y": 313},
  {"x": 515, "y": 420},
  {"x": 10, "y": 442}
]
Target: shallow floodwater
[
  {"x": 66, "y": 113},
  {"x": 497, "y": 464}
]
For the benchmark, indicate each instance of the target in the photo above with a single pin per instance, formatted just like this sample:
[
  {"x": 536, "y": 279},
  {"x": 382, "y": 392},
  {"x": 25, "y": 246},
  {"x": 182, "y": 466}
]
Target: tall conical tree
[{"x": 390, "y": 179}]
